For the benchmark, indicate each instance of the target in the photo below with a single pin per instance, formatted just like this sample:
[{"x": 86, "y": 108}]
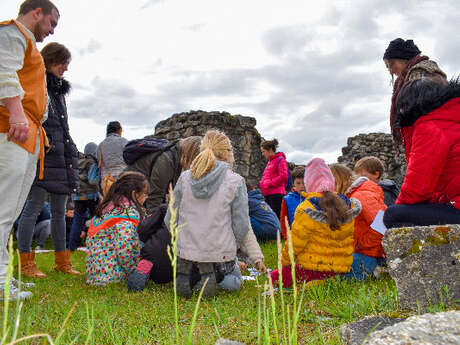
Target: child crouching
[
  {"x": 322, "y": 231},
  {"x": 113, "y": 246},
  {"x": 212, "y": 215}
]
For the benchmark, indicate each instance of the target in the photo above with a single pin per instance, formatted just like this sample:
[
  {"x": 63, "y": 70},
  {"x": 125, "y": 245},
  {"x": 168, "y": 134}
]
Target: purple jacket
[{"x": 275, "y": 175}]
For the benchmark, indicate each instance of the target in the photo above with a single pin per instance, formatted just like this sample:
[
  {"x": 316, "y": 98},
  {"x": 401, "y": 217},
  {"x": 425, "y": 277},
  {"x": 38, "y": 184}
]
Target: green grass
[{"x": 148, "y": 317}]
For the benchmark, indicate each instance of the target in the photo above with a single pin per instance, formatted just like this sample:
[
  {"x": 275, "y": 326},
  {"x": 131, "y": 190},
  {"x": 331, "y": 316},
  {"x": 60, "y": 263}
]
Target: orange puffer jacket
[{"x": 367, "y": 241}]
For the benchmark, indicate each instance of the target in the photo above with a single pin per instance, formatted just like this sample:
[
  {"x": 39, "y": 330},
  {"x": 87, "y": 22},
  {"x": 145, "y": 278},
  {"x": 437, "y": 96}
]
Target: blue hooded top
[{"x": 261, "y": 211}]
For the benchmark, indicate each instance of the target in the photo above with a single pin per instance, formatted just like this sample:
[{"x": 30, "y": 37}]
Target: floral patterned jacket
[{"x": 113, "y": 245}]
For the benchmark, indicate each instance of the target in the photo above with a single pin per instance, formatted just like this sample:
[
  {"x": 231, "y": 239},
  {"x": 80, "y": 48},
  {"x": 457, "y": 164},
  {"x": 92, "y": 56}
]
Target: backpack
[
  {"x": 138, "y": 148},
  {"x": 94, "y": 174},
  {"x": 289, "y": 181}
]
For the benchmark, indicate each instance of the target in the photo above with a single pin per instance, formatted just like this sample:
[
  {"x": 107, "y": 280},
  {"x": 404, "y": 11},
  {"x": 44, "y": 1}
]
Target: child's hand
[
  {"x": 242, "y": 265},
  {"x": 261, "y": 267},
  {"x": 82, "y": 234}
]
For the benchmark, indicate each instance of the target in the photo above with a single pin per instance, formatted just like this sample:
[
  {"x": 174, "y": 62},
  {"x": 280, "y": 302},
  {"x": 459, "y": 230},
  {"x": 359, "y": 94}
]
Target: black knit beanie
[{"x": 400, "y": 49}]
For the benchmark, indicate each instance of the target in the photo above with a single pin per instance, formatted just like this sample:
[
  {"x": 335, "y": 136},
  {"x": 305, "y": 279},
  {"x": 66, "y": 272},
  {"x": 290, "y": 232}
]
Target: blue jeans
[
  {"x": 262, "y": 231},
  {"x": 363, "y": 266},
  {"x": 84, "y": 209},
  {"x": 233, "y": 280},
  {"x": 420, "y": 214},
  {"x": 34, "y": 205}
]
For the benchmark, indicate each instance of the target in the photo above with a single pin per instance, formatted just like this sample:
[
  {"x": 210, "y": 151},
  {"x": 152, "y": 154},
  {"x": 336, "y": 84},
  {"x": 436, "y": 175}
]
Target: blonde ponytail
[{"x": 215, "y": 145}]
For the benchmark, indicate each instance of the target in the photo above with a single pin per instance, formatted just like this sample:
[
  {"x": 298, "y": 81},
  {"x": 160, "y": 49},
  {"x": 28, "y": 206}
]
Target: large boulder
[
  {"x": 355, "y": 333},
  {"x": 427, "y": 329},
  {"x": 424, "y": 262}
]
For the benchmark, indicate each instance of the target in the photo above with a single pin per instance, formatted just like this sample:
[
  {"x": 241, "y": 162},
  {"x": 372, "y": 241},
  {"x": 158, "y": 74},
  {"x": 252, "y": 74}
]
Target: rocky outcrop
[
  {"x": 379, "y": 145},
  {"x": 427, "y": 329},
  {"x": 241, "y": 130},
  {"x": 355, "y": 333},
  {"x": 424, "y": 262}
]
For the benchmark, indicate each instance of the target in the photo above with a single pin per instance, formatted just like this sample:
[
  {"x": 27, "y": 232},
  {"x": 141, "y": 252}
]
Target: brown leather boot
[
  {"x": 62, "y": 262},
  {"x": 29, "y": 267}
]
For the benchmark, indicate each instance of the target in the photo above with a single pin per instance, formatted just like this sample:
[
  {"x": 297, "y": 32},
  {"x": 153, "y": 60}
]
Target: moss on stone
[
  {"x": 416, "y": 247},
  {"x": 400, "y": 231}
]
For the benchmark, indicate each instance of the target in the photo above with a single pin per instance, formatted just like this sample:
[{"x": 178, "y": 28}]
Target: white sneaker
[
  {"x": 23, "y": 285},
  {"x": 15, "y": 294}
]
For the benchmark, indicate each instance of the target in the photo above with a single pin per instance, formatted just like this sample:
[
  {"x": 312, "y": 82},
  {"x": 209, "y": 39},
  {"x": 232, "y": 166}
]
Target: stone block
[
  {"x": 428, "y": 329},
  {"x": 424, "y": 262},
  {"x": 354, "y": 333}
]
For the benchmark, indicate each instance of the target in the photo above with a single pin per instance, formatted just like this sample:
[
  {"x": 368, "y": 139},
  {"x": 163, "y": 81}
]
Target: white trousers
[{"x": 17, "y": 173}]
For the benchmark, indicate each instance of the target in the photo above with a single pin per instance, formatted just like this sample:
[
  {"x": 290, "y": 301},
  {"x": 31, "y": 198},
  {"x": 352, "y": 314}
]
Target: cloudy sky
[{"x": 310, "y": 72}]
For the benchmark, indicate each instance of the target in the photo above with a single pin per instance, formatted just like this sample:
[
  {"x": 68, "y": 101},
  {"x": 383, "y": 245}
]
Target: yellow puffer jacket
[{"x": 316, "y": 247}]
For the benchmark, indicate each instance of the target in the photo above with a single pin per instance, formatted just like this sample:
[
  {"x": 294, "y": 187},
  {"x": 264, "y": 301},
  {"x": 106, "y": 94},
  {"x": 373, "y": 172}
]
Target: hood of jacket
[
  {"x": 91, "y": 149},
  {"x": 57, "y": 85},
  {"x": 278, "y": 155},
  {"x": 438, "y": 103},
  {"x": 208, "y": 184},
  {"x": 317, "y": 214}
]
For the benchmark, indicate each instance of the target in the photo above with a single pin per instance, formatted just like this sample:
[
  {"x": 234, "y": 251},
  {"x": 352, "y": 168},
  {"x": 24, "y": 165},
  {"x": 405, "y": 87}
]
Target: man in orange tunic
[{"x": 23, "y": 100}]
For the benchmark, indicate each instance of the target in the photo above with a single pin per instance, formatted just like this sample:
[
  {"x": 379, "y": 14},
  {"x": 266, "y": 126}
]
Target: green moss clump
[
  {"x": 441, "y": 236},
  {"x": 402, "y": 231},
  {"x": 416, "y": 247}
]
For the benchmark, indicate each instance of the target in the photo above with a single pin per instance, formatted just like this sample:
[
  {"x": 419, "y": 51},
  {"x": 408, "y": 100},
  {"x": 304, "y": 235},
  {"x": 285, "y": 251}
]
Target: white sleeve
[{"x": 13, "y": 46}]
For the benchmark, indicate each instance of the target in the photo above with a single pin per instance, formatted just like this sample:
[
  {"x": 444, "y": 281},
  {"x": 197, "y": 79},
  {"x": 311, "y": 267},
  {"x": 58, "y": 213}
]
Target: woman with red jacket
[
  {"x": 275, "y": 176},
  {"x": 428, "y": 119}
]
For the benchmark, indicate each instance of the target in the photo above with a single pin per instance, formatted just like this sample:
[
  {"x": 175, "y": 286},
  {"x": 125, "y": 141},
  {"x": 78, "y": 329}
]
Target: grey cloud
[
  {"x": 111, "y": 100},
  {"x": 91, "y": 47},
  {"x": 348, "y": 95},
  {"x": 149, "y": 3}
]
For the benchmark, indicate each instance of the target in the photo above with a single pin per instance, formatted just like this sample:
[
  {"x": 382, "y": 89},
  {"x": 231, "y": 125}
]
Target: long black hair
[
  {"x": 126, "y": 184},
  {"x": 421, "y": 96}
]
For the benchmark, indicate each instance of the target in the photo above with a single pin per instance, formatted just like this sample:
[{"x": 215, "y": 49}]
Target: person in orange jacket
[{"x": 368, "y": 250}]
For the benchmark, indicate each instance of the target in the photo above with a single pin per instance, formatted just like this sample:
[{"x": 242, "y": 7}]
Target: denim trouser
[
  {"x": 233, "y": 280},
  {"x": 363, "y": 266},
  {"x": 84, "y": 209},
  {"x": 34, "y": 205},
  {"x": 262, "y": 231},
  {"x": 420, "y": 214},
  {"x": 42, "y": 231}
]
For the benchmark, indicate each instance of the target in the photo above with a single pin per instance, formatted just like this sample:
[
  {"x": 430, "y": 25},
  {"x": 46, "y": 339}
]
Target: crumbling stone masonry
[{"x": 241, "y": 130}]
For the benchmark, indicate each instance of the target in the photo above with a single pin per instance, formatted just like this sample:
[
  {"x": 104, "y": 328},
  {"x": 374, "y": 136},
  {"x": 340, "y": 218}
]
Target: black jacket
[
  {"x": 156, "y": 238},
  {"x": 61, "y": 158}
]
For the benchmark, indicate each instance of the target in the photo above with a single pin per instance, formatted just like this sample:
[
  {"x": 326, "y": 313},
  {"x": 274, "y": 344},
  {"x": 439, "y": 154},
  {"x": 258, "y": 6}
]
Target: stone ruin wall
[
  {"x": 246, "y": 141},
  {"x": 241, "y": 130},
  {"x": 379, "y": 145}
]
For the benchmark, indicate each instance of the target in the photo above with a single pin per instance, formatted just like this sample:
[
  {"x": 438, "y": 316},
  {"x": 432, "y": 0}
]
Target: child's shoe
[
  {"x": 15, "y": 294},
  {"x": 138, "y": 279},
  {"x": 23, "y": 285}
]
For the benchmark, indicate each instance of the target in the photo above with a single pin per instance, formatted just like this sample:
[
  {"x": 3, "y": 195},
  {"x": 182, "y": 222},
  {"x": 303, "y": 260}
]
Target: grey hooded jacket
[{"x": 212, "y": 214}]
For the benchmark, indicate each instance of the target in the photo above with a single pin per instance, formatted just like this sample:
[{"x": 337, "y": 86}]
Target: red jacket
[
  {"x": 368, "y": 241},
  {"x": 432, "y": 147},
  {"x": 275, "y": 175}
]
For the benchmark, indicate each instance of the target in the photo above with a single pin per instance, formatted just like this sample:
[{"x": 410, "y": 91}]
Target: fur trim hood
[
  {"x": 421, "y": 97},
  {"x": 57, "y": 85}
]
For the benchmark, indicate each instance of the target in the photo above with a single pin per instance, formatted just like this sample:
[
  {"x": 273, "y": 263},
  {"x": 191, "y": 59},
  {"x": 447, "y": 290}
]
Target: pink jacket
[{"x": 275, "y": 175}]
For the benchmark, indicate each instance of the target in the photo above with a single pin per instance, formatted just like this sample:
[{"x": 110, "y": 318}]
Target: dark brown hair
[
  {"x": 298, "y": 172},
  {"x": 370, "y": 164},
  {"x": 30, "y": 5},
  {"x": 270, "y": 144},
  {"x": 337, "y": 212},
  {"x": 126, "y": 184},
  {"x": 55, "y": 53}
]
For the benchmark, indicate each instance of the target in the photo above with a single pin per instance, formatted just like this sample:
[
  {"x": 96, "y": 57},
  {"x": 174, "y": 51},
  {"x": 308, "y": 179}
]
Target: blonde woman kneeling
[{"x": 213, "y": 216}]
